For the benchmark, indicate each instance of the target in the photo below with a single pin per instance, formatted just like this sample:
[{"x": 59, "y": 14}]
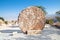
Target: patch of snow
[
  {"x": 55, "y": 36},
  {"x": 17, "y": 35},
  {"x": 49, "y": 33},
  {"x": 47, "y": 25},
  {"x": 8, "y": 28}
]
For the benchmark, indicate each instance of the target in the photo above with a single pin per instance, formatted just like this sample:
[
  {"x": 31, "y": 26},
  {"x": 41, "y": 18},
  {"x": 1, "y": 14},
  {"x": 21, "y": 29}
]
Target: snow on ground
[
  {"x": 14, "y": 33},
  {"x": 9, "y": 28}
]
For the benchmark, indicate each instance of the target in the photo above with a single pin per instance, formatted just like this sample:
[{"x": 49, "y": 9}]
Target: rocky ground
[{"x": 14, "y": 33}]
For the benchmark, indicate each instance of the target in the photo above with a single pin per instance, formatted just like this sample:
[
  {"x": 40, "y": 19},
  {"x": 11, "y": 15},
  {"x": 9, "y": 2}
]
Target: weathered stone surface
[{"x": 31, "y": 18}]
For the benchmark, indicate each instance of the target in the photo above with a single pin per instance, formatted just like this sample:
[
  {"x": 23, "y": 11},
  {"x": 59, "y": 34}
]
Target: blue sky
[{"x": 9, "y": 9}]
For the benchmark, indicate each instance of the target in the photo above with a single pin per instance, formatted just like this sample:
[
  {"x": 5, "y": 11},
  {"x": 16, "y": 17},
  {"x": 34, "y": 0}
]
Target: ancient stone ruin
[{"x": 31, "y": 20}]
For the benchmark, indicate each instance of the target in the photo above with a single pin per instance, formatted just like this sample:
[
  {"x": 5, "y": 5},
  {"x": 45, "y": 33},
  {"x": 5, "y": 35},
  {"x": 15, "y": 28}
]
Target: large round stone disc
[{"x": 31, "y": 18}]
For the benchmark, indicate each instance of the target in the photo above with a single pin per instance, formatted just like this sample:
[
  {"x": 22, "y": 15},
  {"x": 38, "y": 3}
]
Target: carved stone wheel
[{"x": 31, "y": 20}]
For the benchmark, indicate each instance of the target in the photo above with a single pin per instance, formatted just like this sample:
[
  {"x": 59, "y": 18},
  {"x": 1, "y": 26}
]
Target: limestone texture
[{"x": 31, "y": 19}]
